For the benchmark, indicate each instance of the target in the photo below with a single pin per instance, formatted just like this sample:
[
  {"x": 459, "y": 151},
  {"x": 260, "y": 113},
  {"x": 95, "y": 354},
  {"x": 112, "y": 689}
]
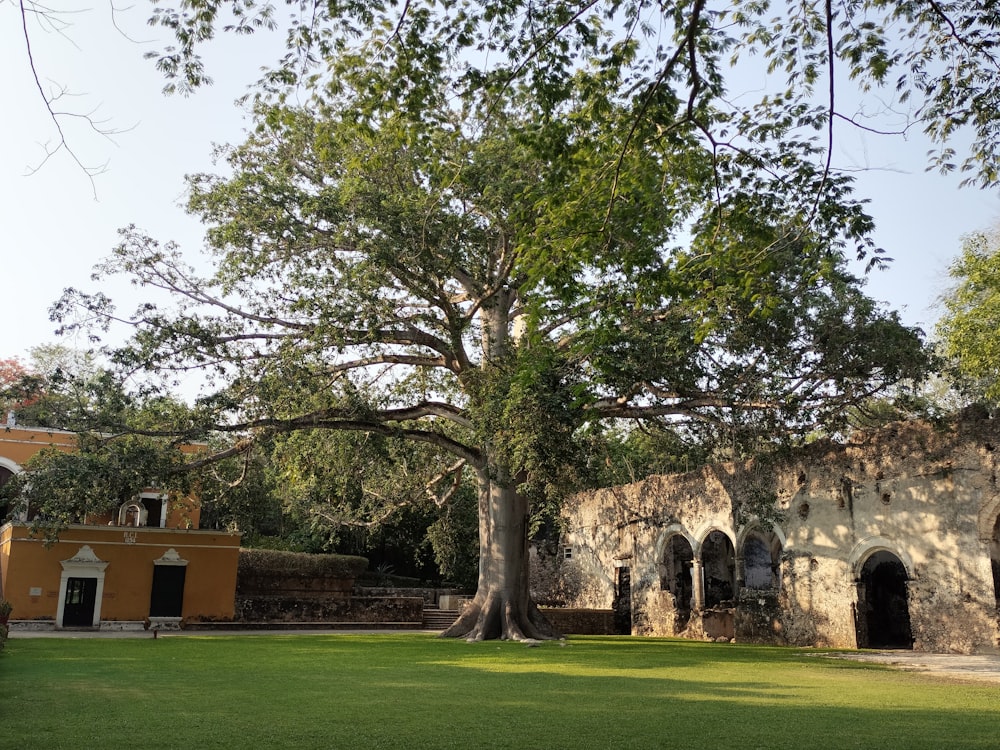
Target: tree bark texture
[{"x": 502, "y": 607}]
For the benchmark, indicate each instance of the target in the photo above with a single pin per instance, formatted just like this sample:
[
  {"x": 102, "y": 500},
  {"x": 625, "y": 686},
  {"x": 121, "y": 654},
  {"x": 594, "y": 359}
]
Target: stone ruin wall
[{"x": 926, "y": 494}]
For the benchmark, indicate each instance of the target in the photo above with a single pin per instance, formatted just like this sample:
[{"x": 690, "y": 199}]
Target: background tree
[
  {"x": 17, "y": 385},
  {"x": 968, "y": 328}
]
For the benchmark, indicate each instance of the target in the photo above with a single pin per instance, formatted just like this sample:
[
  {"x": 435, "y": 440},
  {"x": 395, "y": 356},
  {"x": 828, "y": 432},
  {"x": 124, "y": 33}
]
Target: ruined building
[{"x": 891, "y": 540}]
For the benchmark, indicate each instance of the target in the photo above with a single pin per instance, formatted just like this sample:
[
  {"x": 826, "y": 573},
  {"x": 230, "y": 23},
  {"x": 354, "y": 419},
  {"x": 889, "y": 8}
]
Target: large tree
[{"x": 479, "y": 266}]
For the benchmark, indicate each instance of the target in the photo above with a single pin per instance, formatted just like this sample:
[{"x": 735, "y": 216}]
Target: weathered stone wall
[
  {"x": 926, "y": 495},
  {"x": 581, "y": 621}
]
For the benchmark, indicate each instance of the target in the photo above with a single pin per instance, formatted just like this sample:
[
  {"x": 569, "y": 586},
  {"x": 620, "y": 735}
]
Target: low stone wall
[
  {"x": 581, "y": 621},
  {"x": 432, "y": 596},
  {"x": 359, "y": 609},
  {"x": 758, "y": 618}
]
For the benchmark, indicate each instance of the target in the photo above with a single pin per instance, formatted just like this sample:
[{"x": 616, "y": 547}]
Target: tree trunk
[{"x": 502, "y": 607}]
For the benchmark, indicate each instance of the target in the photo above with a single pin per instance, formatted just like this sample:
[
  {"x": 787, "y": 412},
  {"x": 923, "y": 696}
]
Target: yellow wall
[
  {"x": 32, "y": 570},
  {"x": 5, "y": 532},
  {"x": 18, "y": 444}
]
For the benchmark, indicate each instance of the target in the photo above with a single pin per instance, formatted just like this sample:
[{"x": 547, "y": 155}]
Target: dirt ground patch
[{"x": 976, "y": 667}]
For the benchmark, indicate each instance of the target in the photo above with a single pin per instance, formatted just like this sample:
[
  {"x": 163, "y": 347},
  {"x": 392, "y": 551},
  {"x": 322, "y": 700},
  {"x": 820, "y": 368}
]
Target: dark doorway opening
[
  {"x": 622, "y": 604},
  {"x": 883, "y": 619},
  {"x": 167, "y": 596},
  {"x": 677, "y": 578},
  {"x": 719, "y": 562},
  {"x": 78, "y": 607},
  {"x": 154, "y": 510},
  {"x": 5, "y": 476}
]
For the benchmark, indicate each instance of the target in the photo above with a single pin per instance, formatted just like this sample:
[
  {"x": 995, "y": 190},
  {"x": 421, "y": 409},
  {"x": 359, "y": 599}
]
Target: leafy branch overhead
[{"x": 831, "y": 66}]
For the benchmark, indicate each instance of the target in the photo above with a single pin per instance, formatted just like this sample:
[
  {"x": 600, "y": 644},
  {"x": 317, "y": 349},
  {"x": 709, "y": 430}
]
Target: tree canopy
[{"x": 883, "y": 66}]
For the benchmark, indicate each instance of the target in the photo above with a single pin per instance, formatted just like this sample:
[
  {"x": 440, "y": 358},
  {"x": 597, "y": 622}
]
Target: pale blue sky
[{"x": 54, "y": 230}]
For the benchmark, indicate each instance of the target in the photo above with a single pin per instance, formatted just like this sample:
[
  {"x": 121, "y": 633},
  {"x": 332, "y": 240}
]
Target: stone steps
[{"x": 439, "y": 619}]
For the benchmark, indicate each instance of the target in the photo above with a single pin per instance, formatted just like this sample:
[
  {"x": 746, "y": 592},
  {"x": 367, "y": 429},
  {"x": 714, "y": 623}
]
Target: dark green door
[
  {"x": 78, "y": 608},
  {"x": 167, "y": 596}
]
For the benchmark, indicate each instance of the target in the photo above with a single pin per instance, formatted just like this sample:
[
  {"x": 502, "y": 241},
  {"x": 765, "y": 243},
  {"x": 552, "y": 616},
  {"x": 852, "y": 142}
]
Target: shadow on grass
[{"x": 413, "y": 691}]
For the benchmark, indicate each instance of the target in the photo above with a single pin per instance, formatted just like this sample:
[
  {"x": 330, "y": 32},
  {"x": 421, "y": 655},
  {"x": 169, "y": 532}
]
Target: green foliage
[
  {"x": 5, "y": 610},
  {"x": 969, "y": 327},
  {"x": 621, "y": 455},
  {"x": 61, "y": 488},
  {"x": 240, "y": 494},
  {"x": 454, "y": 539},
  {"x": 264, "y": 562}
]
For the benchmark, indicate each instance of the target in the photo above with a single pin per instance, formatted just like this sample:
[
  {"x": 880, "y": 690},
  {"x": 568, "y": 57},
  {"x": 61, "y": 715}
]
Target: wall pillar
[{"x": 697, "y": 585}]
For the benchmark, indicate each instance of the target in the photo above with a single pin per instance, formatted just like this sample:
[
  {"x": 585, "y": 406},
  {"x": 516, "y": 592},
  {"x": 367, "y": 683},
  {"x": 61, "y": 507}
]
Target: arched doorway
[
  {"x": 883, "y": 616},
  {"x": 622, "y": 603},
  {"x": 719, "y": 563},
  {"x": 678, "y": 559},
  {"x": 761, "y": 561}
]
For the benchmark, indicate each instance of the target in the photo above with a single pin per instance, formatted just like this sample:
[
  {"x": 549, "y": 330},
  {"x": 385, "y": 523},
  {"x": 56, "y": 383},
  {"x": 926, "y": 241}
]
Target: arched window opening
[
  {"x": 761, "y": 561},
  {"x": 883, "y": 617},
  {"x": 719, "y": 563},
  {"x": 678, "y": 559}
]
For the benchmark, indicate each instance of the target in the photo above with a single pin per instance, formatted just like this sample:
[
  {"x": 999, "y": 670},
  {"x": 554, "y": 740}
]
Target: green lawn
[{"x": 416, "y": 691}]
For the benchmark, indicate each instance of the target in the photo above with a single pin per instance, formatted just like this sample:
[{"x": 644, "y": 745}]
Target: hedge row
[
  {"x": 262, "y": 562},
  {"x": 5, "y": 610}
]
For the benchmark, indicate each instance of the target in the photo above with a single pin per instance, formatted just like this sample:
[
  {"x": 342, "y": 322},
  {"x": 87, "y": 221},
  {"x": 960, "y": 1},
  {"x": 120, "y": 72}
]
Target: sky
[{"x": 57, "y": 223}]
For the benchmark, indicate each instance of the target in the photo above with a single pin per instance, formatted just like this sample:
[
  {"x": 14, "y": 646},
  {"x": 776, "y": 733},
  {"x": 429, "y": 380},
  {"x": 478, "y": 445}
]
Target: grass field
[{"x": 416, "y": 691}]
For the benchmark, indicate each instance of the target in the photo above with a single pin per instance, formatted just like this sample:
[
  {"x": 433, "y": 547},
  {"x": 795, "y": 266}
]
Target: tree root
[{"x": 493, "y": 617}]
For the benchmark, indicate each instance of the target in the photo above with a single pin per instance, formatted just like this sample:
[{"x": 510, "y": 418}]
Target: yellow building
[{"x": 147, "y": 563}]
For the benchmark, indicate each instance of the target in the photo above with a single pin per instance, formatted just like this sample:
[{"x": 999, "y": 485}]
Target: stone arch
[
  {"x": 674, "y": 529},
  {"x": 8, "y": 469},
  {"x": 703, "y": 533},
  {"x": 866, "y": 547},
  {"x": 12, "y": 466},
  {"x": 987, "y": 519},
  {"x": 988, "y": 525},
  {"x": 756, "y": 525}
]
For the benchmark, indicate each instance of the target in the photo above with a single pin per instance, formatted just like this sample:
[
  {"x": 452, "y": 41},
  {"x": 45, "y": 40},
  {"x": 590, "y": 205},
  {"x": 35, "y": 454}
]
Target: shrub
[{"x": 255, "y": 562}]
